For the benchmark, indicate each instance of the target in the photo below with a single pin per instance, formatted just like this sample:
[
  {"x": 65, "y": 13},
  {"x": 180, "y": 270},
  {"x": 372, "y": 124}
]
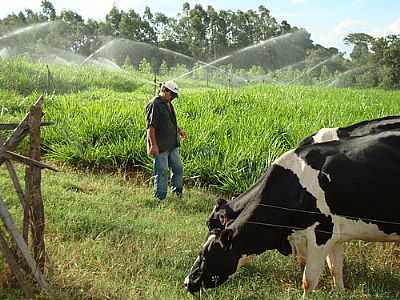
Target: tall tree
[
  {"x": 48, "y": 10},
  {"x": 268, "y": 27},
  {"x": 149, "y": 33},
  {"x": 361, "y": 43},
  {"x": 130, "y": 26},
  {"x": 387, "y": 55},
  {"x": 198, "y": 29},
  {"x": 113, "y": 19}
]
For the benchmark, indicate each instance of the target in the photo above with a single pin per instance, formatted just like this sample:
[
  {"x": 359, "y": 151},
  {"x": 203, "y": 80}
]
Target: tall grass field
[{"x": 107, "y": 238}]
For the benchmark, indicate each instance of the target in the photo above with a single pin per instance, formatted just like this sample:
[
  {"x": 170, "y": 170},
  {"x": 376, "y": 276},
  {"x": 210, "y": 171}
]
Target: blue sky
[{"x": 327, "y": 21}]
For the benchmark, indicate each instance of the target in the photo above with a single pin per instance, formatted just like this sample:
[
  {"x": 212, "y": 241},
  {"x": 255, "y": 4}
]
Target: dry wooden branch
[
  {"x": 12, "y": 229},
  {"x": 20, "y": 132},
  {"x": 12, "y": 126},
  {"x": 23, "y": 159},
  {"x": 12, "y": 262},
  {"x": 18, "y": 189}
]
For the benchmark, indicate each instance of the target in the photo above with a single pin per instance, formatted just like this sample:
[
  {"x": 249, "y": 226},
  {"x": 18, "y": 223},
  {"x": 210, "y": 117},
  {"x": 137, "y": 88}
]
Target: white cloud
[
  {"x": 345, "y": 26},
  {"x": 394, "y": 28},
  {"x": 334, "y": 37},
  {"x": 342, "y": 28}
]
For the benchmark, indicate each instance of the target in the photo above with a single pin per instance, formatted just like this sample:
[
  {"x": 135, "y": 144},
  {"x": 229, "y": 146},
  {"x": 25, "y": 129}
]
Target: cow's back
[{"x": 360, "y": 177}]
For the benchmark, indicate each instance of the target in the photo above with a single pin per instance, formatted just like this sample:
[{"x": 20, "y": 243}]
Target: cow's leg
[
  {"x": 299, "y": 250},
  {"x": 335, "y": 264},
  {"x": 314, "y": 265},
  {"x": 302, "y": 262}
]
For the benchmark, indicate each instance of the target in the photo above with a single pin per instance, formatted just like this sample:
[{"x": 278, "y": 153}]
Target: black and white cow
[
  {"x": 225, "y": 212},
  {"x": 310, "y": 201}
]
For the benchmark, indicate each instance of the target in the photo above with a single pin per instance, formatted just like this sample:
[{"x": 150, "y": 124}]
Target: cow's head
[{"x": 216, "y": 262}]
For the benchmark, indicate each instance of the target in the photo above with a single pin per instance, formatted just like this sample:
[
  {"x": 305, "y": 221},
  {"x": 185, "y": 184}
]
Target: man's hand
[
  {"x": 182, "y": 134},
  {"x": 153, "y": 150}
]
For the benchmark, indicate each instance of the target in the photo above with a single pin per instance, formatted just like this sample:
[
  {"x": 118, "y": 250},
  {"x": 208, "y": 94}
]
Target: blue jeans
[{"x": 161, "y": 165}]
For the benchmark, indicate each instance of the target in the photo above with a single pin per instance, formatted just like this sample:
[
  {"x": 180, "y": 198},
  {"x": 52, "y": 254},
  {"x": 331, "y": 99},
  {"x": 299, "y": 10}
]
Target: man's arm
[{"x": 152, "y": 146}]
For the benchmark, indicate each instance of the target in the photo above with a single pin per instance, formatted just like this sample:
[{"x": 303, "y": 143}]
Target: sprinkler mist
[
  {"x": 97, "y": 52},
  {"x": 231, "y": 69},
  {"x": 338, "y": 80},
  {"x": 279, "y": 44},
  {"x": 314, "y": 67},
  {"x": 24, "y": 30}
]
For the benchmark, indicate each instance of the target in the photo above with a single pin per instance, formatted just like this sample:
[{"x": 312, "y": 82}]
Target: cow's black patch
[
  {"x": 360, "y": 178},
  {"x": 324, "y": 230},
  {"x": 370, "y": 127}
]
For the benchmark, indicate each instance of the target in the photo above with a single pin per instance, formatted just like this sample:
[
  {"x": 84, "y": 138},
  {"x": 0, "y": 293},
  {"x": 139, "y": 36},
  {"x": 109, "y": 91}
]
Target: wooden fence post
[
  {"x": 33, "y": 191},
  {"x": 31, "y": 200}
]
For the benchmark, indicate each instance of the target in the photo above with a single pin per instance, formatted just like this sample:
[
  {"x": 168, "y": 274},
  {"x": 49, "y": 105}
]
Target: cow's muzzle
[{"x": 191, "y": 286}]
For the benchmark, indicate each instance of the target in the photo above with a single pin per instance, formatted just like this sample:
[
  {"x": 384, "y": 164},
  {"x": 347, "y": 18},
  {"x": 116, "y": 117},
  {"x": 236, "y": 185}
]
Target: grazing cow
[
  {"x": 310, "y": 201},
  {"x": 225, "y": 212}
]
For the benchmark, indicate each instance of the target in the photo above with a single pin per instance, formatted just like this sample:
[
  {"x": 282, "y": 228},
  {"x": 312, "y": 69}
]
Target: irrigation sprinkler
[
  {"x": 313, "y": 68},
  {"x": 49, "y": 78}
]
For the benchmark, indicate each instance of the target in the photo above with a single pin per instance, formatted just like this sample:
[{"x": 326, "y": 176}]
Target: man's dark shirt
[{"x": 163, "y": 120}]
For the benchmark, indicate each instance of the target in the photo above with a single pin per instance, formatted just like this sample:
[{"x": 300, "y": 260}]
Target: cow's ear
[
  {"x": 220, "y": 202},
  {"x": 226, "y": 238}
]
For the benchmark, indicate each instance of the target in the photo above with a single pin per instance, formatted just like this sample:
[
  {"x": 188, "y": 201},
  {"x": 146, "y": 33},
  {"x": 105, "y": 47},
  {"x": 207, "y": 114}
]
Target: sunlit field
[{"x": 107, "y": 238}]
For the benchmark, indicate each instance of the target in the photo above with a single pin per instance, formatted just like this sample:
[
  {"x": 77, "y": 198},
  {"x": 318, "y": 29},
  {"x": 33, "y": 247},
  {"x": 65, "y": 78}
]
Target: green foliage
[
  {"x": 20, "y": 75},
  {"x": 196, "y": 32},
  {"x": 206, "y": 34},
  {"x": 387, "y": 54},
  {"x": 234, "y": 134}
]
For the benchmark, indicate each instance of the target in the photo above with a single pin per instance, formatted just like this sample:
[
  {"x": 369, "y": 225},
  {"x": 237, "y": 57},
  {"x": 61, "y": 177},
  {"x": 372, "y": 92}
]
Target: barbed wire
[
  {"x": 319, "y": 213},
  {"x": 316, "y": 213}
]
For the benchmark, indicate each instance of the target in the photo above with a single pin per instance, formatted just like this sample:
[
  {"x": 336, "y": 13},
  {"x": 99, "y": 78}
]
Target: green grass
[
  {"x": 108, "y": 239},
  {"x": 24, "y": 77},
  {"x": 234, "y": 134}
]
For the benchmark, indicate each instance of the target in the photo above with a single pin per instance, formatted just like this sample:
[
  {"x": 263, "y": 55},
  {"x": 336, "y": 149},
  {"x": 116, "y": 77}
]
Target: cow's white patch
[
  {"x": 209, "y": 240},
  {"x": 187, "y": 278},
  {"x": 308, "y": 177},
  {"x": 346, "y": 229},
  {"x": 186, "y": 281},
  {"x": 326, "y": 135}
]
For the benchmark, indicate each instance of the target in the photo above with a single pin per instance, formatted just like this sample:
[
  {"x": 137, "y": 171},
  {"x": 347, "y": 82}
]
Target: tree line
[{"x": 207, "y": 34}]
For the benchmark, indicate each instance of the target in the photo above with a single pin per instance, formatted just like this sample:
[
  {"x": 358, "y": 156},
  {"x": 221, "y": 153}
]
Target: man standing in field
[{"x": 163, "y": 141}]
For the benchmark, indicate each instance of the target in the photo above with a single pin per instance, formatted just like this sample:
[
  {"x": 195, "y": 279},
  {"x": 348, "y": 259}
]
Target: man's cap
[{"x": 172, "y": 86}]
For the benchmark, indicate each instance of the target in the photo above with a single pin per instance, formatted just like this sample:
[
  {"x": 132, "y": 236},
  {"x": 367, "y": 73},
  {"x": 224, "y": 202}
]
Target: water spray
[
  {"x": 25, "y": 29},
  {"x": 273, "y": 40},
  {"x": 314, "y": 67},
  {"x": 96, "y": 52}
]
